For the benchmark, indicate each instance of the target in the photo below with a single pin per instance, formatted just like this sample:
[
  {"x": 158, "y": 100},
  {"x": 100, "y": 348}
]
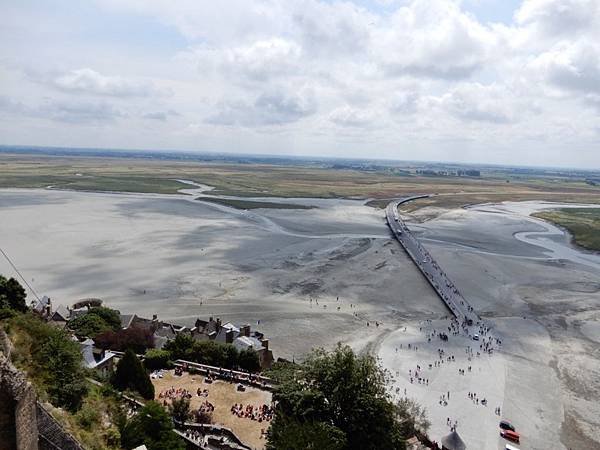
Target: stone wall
[
  {"x": 24, "y": 423},
  {"x": 18, "y": 417}
]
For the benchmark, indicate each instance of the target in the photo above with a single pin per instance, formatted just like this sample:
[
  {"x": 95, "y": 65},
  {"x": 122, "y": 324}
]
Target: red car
[{"x": 510, "y": 435}]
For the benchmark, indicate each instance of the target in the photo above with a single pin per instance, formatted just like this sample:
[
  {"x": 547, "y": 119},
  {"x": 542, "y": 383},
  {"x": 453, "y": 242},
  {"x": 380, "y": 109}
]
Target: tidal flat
[{"x": 181, "y": 259}]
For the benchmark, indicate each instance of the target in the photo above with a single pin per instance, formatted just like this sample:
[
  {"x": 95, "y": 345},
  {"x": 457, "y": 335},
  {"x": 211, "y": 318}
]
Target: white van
[{"x": 510, "y": 447}]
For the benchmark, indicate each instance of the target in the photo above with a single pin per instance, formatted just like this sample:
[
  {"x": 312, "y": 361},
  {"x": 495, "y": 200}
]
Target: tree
[
  {"x": 110, "y": 316},
  {"x": 88, "y": 325},
  {"x": 295, "y": 435},
  {"x": 180, "y": 409},
  {"x": 151, "y": 427},
  {"x": 62, "y": 369},
  {"x": 341, "y": 392},
  {"x": 155, "y": 359},
  {"x": 180, "y": 347},
  {"x": 137, "y": 339},
  {"x": 96, "y": 321},
  {"x": 12, "y": 295},
  {"x": 248, "y": 360},
  {"x": 130, "y": 374},
  {"x": 412, "y": 417}
]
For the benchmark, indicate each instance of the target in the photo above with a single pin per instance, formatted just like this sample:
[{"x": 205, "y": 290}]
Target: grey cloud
[
  {"x": 268, "y": 109},
  {"x": 160, "y": 115},
  {"x": 558, "y": 17},
  {"x": 576, "y": 68},
  {"x": 341, "y": 28},
  {"x": 89, "y": 81},
  {"x": 63, "y": 111},
  {"x": 78, "y": 112},
  {"x": 7, "y": 105},
  {"x": 404, "y": 103},
  {"x": 475, "y": 102}
]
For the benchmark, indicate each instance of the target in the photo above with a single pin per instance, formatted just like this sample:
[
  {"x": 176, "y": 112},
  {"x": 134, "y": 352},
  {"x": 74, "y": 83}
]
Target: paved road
[{"x": 438, "y": 279}]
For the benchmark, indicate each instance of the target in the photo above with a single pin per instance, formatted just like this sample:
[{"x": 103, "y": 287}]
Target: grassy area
[
  {"x": 94, "y": 421},
  {"x": 254, "y": 180},
  {"x": 582, "y": 223},
  {"x": 250, "y": 204}
]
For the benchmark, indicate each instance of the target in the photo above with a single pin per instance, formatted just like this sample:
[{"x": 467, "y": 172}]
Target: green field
[
  {"x": 582, "y": 223},
  {"x": 251, "y": 204},
  {"x": 294, "y": 180}
]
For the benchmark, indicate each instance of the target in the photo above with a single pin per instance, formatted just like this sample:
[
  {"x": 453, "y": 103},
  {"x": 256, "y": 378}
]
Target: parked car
[
  {"x": 506, "y": 425},
  {"x": 475, "y": 337},
  {"x": 510, "y": 435}
]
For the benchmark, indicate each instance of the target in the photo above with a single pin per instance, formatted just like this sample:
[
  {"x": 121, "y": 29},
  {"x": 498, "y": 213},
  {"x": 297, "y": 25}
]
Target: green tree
[
  {"x": 180, "y": 347},
  {"x": 152, "y": 427},
  {"x": 292, "y": 434},
  {"x": 12, "y": 295},
  {"x": 130, "y": 374},
  {"x": 61, "y": 360},
  {"x": 180, "y": 409},
  {"x": 110, "y": 316},
  {"x": 341, "y": 390},
  {"x": 248, "y": 360},
  {"x": 155, "y": 359},
  {"x": 96, "y": 321}
]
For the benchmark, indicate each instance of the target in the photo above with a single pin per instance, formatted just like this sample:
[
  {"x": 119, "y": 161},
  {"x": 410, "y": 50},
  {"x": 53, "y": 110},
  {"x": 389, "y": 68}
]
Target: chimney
[
  {"x": 218, "y": 324},
  {"x": 265, "y": 343},
  {"x": 245, "y": 330},
  {"x": 229, "y": 337}
]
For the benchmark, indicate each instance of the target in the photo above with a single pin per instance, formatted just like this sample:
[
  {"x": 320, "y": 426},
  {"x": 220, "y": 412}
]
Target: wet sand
[
  {"x": 182, "y": 259},
  {"x": 541, "y": 296}
]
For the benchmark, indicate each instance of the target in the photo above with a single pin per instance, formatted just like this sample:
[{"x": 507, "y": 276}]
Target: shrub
[
  {"x": 155, "y": 359},
  {"x": 180, "y": 409},
  {"x": 248, "y": 360},
  {"x": 95, "y": 321},
  {"x": 12, "y": 295},
  {"x": 151, "y": 427},
  {"x": 55, "y": 360}
]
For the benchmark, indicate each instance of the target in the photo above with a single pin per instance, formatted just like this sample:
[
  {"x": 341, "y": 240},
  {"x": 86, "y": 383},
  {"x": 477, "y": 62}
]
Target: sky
[{"x": 481, "y": 81}]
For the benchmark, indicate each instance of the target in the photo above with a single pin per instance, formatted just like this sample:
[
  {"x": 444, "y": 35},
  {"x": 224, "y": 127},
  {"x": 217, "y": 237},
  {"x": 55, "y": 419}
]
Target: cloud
[
  {"x": 570, "y": 66},
  {"x": 434, "y": 39},
  {"x": 475, "y": 102},
  {"x": 160, "y": 115},
  {"x": 270, "y": 108},
  {"x": 77, "y": 112},
  {"x": 258, "y": 61},
  {"x": 351, "y": 117},
  {"x": 321, "y": 73},
  {"x": 89, "y": 81},
  {"x": 555, "y": 18},
  {"x": 404, "y": 103}
]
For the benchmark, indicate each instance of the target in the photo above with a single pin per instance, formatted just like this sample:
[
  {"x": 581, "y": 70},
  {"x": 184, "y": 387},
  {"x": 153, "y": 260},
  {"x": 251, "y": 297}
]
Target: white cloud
[
  {"x": 325, "y": 77},
  {"x": 347, "y": 116},
  {"x": 269, "y": 108},
  {"x": 570, "y": 66},
  {"x": 433, "y": 38},
  {"x": 89, "y": 81},
  {"x": 73, "y": 112},
  {"x": 476, "y": 102},
  {"x": 556, "y": 18}
]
